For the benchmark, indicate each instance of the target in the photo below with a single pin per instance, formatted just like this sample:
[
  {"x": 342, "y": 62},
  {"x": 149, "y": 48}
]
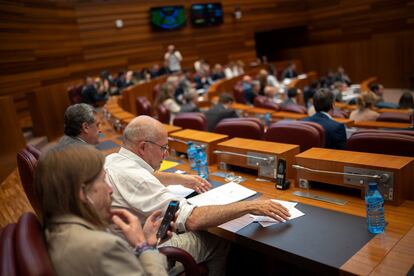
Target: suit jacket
[
  {"x": 335, "y": 134},
  {"x": 69, "y": 140},
  {"x": 77, "y": 247},
  {"x": 217, "y": 113}
]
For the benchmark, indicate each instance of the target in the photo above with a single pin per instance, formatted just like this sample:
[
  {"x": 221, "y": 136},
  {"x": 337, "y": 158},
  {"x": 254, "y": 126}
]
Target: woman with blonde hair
[
  {"x": 365, "y": 102},
  {"x": 75, "y": 207}
]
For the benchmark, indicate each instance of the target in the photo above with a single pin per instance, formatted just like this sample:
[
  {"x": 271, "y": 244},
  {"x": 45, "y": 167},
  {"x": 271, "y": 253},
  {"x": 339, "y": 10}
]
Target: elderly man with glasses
[{"x": 139, "y": 188}]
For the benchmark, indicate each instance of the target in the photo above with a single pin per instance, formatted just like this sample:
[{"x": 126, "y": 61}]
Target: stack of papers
[
  {"x": 224, "y": 194},
  {"x": 266, "y": 221}
]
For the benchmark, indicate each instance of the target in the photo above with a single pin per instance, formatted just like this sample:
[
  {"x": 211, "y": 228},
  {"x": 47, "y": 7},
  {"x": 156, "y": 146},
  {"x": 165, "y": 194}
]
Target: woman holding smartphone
[{"x": 75, "y": 204}]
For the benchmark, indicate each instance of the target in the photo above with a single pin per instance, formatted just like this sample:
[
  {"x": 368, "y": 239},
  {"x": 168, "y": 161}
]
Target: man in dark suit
[
  {"x": 220, "y": 111},
  {"x": 335, "y": 135}
]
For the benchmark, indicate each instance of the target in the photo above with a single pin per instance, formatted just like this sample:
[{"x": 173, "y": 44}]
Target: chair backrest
[
  {"x": 7, "y": 251},
  {"x": 382, "y": 131},
  {"x": 75, "y": 94},
  {"x": 240, "y": 128},
  {"x": 251, "y": 119},
  {"x": 175, "y": 254},
  {"x": 394, "y": 117},
  {"x": 143, "y": 106},
  {"x": 26, "y": 164},
  {"x": 383, "y": 143},
  {"x": 293, "y": 108},
  {"x": 338, "y": 113},
  {"x": 31, "y": 252},
  {"x": 239, "y": 93},
  {"x": 191, "y": 120},
  {"x": 163, "y": 114},
  {"x": 264, "y": 102},
  {"x": 296, "y": 132}
]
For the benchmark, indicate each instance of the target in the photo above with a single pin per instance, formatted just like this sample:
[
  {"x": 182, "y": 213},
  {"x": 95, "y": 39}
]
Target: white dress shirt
[{"x": 136, "y": 188}]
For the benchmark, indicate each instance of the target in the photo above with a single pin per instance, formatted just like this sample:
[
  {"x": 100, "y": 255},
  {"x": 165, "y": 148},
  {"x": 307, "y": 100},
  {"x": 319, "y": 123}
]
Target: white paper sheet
[
  {"x": 266, "y": 221},
  {"x": 179, "y": 190},
  {"x": 237, "y": 224},
  {"x": 224, "y": 194}
]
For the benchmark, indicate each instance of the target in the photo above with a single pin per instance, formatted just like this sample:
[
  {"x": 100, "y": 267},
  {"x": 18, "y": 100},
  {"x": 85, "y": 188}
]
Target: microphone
[
  {"x": 382, "y": 178},
  {"x": 269, "y": 159}
]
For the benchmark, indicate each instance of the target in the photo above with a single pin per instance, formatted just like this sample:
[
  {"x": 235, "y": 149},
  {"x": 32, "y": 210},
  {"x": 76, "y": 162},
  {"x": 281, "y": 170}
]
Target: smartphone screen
[
  {"x": 168, "y": 217},
  {"x": 281, "y": 172}
]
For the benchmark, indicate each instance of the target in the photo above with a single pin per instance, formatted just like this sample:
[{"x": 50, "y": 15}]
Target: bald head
[{"x": 143, "y": 128}]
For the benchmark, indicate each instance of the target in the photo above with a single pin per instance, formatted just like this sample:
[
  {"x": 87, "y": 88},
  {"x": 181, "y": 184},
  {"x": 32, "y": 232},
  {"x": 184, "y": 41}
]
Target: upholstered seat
[
  {"x": 26, "y": 164},
  {"x": 240, "y": 128},
  {"x": 395, "y": 117},
  {"x": 31, "y": 253},
  {"x": 143, "y": 106},
  {"x": 298, "y": 133},
  {"x": 191, "y": 120},
  {"x": 383, "y": 143},
  {"x": 239, "y": 93},
  {"x": 163, "y": 114},
  {"x": 191, "y": 268},
  {"x": 75, "y": 94},
  {"x": 7, "y": 252},
  {"x": 264, "y": 102},
  {"x": 293, "y": 108}
]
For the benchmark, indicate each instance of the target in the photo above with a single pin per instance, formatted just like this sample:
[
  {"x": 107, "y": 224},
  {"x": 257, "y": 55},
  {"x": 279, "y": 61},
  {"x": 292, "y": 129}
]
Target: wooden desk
[
  {"x": 389, "y": 253},
  {"x": 171, "y": 128},
  {"x": 208, "y": 138},
  {"x": 377, "y": 124},
  {"x": 239, "y": 106},
  {"x": 401, "y": 167},
  {"x": 347, "y": 122},
  {"x": 249, "y": 146},
  {"x": 288, "y": 115},
  {"x": 393, "y": 110},
  {"x": 257, "y": 111}
]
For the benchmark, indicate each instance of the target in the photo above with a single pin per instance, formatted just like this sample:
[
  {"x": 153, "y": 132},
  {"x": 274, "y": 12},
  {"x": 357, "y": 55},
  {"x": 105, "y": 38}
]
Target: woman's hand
[{"x": 130, "y": 226}]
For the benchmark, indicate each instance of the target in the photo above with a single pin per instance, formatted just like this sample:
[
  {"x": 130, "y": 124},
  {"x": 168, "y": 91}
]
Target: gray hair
[
  {"x": 75, "y": 116},
  {"x": 142, "y": 128}
]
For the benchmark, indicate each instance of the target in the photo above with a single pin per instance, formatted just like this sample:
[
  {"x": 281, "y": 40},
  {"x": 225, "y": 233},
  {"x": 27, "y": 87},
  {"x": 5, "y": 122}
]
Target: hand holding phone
[{"x": 166, "y": 221}]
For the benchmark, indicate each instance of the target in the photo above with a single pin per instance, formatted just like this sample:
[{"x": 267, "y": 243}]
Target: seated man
[
  {"x": 335, "y": 135},
  {"x": 81, "y": 125},
  {"x": 131, "y": 173},
  {"x": 220, "y": 111},
  {"x": 378, "y": 89}
]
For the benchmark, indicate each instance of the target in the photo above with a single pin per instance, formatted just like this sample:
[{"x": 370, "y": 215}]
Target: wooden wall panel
[{"x": 367, "y": 37}]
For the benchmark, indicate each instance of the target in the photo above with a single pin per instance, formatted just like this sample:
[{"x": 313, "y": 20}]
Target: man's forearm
[
  {"x": 167, "y": 178},
  {"x": 209, "y": 216}
]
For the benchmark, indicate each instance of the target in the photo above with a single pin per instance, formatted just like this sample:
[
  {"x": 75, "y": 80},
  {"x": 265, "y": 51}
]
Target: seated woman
[
  {"x": 406, "y": 101},
  {"x": 166, "y": 97},
  {"x": 364, "y": 112},
  {"x": 75, "y": 205}
]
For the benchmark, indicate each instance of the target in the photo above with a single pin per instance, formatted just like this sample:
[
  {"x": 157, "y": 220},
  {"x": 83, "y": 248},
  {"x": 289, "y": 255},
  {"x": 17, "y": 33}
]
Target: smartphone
[
  {"x": 281, "y": 174},
  {"x": 168, "y": 217}
]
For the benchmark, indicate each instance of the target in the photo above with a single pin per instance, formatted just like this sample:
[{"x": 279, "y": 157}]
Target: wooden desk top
[
  {"x": 389, "y": 253},
  {"x": 239, "y": 106},
  {"x": 289, "y": 115},
  {"x": 377, "y": 124},
  {"x": 345, "y": 121},
  {"x": 258, "y": 110},
  {"x": 393, "y": 110},
  {"x": 261, "y": 146},
  {"x": 197, "y": 135},
  {"x": 171, "y": 128},
  {"x": 350, "y": 157}
]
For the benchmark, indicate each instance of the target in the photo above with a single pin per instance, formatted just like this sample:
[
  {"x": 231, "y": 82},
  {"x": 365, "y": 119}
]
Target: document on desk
[
  {"x": 224, "y": 194},
  {"x": 179, "y": 190},
  {"x": 266, "y": 221}
]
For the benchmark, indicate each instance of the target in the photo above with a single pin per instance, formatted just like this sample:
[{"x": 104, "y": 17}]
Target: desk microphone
[
  {"x": 382, "y": 178},
  {"x": 268, "y": 160}
]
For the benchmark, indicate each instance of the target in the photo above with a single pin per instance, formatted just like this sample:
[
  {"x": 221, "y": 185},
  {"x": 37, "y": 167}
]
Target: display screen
[
  {"x": 206, "y": 14},
  {"x": 168, "y": 17}
]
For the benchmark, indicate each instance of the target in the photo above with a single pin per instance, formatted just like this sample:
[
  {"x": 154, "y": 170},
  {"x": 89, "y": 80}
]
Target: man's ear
[
  {"x": 141, "y": 147},
  {"x": 85, "y": 127}
]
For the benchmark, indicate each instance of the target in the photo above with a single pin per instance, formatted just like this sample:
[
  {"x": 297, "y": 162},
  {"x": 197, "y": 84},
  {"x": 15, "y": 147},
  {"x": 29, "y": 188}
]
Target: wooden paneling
[
  {"x": 11, "y": 139},
  {"x": 368, "y": 38}
]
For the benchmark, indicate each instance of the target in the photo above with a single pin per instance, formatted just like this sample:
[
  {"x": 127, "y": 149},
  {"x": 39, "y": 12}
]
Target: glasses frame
[{"x": 164, "y": 148}]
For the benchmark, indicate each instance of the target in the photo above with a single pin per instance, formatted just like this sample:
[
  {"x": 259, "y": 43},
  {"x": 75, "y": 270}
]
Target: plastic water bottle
[
  {"x": 202, "y": 164},
  {"x": 192, "y": 154},
  {"x": 267, "y": 119},
  {"x": 375, "y": 209}
]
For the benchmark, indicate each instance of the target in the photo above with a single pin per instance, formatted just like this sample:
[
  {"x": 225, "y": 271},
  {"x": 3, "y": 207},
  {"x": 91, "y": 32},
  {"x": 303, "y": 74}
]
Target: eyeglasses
[{"x": 164, "y": 148}]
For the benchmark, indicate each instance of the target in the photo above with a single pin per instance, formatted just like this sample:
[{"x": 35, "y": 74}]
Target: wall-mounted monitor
[
  {"x": 167, "y": 17},
  {"x": 206, "y": 14}
]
